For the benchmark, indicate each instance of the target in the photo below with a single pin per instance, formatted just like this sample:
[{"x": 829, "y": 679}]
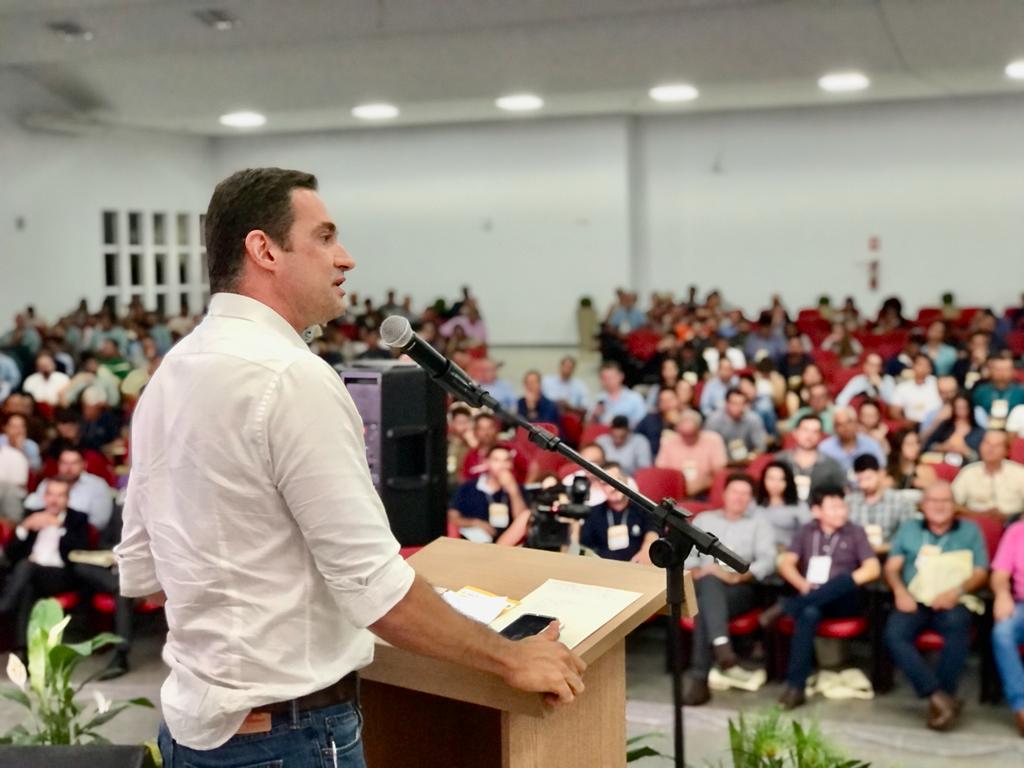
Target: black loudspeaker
[
  {"x": 99, "y": 755},
  {"x": 406, "y": 427}
]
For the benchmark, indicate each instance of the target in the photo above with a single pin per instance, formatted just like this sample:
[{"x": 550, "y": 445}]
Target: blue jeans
[
  {"x": 318, "y": 738},
  {"x": 955, "y": 627},
  {"x": 837, "y": 598},
  {"x": 1007, "y": 635}
]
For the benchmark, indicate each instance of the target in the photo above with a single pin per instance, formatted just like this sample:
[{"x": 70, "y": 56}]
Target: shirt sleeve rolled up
[{"x": 317, "y": 457}]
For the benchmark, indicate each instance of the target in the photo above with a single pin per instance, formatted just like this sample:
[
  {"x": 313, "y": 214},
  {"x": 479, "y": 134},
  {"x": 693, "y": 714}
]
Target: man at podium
[{"x": 250, "y": 509}]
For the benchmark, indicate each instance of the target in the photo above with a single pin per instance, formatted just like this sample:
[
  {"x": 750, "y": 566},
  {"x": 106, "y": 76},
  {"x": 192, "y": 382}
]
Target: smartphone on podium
[{"x": 527, "y": 625}]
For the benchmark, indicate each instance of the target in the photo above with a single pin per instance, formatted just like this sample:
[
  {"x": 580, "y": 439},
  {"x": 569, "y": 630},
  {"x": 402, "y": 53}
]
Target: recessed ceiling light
[
  {"x": 843, "y": 82},
  {"x": 520, "y": 102},
  {"x": 70, "y": 31},
  {"x": 673, "y": 92},
  {"x": 1015, "y": 69},
  {"x": 375, "y": 111},
  {"x": 217, "y": 19},
  {"x": 243, "y": 119}
]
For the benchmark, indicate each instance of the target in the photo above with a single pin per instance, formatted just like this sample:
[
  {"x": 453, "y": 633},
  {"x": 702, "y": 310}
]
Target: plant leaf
[
  {"x": 45, "y": 614},
  {"x": 636, "y": 754},
  {"x": 15, "y": 695},
  {"x": 56, "y": 633}
]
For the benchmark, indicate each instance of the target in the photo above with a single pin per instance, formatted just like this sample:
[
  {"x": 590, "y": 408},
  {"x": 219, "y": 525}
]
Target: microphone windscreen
[{"x": 395, "y": 331}]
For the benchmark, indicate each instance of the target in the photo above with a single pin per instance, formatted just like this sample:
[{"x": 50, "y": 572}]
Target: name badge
[
  {"x": 874, "y": 533},
  {"x": 803, "y": 486},
  {"x": 1000, "y": 409},
  {"x": 738, "y": 450},
  {"x": 818, "y": 569},
  {"x": 618, "y": 537},
  {"x": 926, "y": 551},
  {"x": 971, "y": 379},
  {"x": 690, "y": 376},
  {"x": 497, "y": 515},
  {"x": 690, "y": 471}
]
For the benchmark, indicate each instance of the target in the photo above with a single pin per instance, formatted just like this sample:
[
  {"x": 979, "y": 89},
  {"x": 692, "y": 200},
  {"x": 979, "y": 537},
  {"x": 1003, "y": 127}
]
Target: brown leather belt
[{"x": 346, "y": 689}]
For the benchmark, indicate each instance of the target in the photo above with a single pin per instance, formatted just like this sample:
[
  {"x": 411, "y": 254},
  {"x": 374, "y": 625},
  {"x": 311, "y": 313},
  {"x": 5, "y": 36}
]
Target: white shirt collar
[{"x": 246, "y": 308}]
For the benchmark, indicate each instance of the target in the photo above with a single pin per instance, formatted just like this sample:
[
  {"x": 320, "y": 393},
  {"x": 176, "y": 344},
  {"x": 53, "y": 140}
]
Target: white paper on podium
[
  {"x": 476, "y": 605},
  {"x": 581, "y": 608}
]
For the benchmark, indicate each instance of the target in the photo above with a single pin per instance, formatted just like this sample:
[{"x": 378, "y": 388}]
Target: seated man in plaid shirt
[{"x": 875, "y": 508}]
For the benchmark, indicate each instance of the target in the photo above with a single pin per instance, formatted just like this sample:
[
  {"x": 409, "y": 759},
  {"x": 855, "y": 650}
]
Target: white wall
[
  {"x": 798, "y": 193},
  {"x": 531, "y": 214},
  {"x": 535, "y": 213},
  {"x": 57, "y": 185}
]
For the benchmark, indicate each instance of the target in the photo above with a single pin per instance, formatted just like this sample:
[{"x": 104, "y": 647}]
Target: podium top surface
[
  {"x": 516, "y": 571},
  {"x": 513, "y": 572}
]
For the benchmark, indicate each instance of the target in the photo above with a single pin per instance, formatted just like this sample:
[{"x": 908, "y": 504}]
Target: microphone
[{"x": 397, "y": 333}]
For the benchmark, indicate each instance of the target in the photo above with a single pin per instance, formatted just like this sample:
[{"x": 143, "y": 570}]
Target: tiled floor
[{"x": 888, "y": 731}]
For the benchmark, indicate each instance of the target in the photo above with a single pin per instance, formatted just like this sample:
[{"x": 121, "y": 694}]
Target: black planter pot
[{"x": 98, "y": 755}]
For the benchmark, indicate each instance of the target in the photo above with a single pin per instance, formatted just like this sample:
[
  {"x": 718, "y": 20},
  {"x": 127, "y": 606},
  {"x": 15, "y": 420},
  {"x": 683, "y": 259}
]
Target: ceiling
[{"x": 306, "y": 63}]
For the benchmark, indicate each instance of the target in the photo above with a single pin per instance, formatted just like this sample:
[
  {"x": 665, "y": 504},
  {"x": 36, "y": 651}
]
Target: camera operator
[
  {"x": 617, "y": 529},
  {"x": 492, "y": 503}
]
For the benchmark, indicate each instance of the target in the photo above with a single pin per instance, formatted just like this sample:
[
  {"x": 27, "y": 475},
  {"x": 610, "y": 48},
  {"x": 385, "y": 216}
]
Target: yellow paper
[{"x": 940, "y": 573}]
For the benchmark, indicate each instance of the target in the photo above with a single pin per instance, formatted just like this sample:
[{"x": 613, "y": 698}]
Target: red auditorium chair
[
  {"x": 1017, "y": 450},
  {"x": 945, "y": 471},
  {"x": 717, "y": 489},
  {"x": 522, "y": 443},
  {"x": 757, "y": 466},
  {"x": 657, "y": 483},
  {"x": 967, "y": 315},
  {"x": 992, "y": 525},
  {"x": 568, "y": 468},
  {"x": 572, "y": 428},
  {"x": 1015, "y": 342},
  {"x": 104, "y": 603},
  {"x": 745, "y": 624},
  {"x": 928, "y": 315},
  {"x": 835, "y": 629},
  {"x": 593, "y": 431},
  {"x": 544, "y": 462}
]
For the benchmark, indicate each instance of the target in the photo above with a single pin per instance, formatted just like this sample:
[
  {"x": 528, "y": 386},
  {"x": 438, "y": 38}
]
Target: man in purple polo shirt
[
  {"x": 827, "y": 563},
  {"x": 1008, "y": 634}
]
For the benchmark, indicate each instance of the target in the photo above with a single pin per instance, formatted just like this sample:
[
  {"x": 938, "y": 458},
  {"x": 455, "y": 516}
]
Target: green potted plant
[
  {"x": 46, "y": 690},
  {"x": 772, "y": 741}
]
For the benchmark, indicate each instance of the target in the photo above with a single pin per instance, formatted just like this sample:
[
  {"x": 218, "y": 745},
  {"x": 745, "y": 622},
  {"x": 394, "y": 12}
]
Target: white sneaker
[{"x": 737, "y": 677}]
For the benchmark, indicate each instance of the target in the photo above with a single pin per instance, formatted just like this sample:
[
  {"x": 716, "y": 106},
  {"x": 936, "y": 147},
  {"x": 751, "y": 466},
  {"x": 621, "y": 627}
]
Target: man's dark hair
[
  {"x": 611, "y": 365},
  {"x": 866, "y": 461},
  {"x": 740, "y": 477},
  {"x": 808, "y": 417},
  {"x": 735, "y": 391},
  {"x": 256, "y": 198},
  {"x": 620, "y": 422},
  {"x": 822, "y": 492}
]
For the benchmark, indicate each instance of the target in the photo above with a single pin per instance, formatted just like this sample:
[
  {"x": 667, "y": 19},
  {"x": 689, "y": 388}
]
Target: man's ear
[{"x": 261, "y": 251}]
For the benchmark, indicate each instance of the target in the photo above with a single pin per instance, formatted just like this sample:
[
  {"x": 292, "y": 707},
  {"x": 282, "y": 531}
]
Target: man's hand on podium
[
  {"x": 541, "y": 664},
  {"x": 424, "y": 623}
]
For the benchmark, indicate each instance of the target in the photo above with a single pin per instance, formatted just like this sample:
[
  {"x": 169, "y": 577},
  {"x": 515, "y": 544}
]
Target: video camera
[{"x": 552, "y": 508}]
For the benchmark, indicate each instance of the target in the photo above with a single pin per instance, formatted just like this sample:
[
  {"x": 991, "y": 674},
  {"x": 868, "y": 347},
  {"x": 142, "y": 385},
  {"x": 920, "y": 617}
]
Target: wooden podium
[{"x": 427, "y": 713}]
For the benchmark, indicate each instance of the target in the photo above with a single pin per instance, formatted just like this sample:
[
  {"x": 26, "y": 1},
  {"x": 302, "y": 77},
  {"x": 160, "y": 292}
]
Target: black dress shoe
[
  {"x": 792, "y": 698},
  {"x": 117, "y": 666},
  {"x": 695, "y": 692},
  {"x": 942, "y": 711}
]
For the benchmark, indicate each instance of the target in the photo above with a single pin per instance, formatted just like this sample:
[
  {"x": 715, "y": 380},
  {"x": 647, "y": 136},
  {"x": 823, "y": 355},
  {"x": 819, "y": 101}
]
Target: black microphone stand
[{"x": 678, "y": 537}]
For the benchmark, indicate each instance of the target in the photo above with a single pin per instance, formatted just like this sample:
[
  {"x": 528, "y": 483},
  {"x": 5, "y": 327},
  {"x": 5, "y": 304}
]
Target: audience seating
[
  {"x": 593, "y": 431},
  {"x": 745, "y": 624},
  {"x": 657, "y": 483}
]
